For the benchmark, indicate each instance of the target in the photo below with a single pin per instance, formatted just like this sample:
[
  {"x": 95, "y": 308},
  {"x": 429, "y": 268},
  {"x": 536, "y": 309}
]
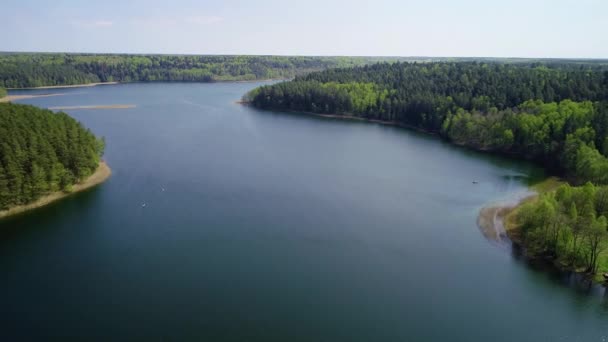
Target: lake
[{"x": 265, "y": 226}]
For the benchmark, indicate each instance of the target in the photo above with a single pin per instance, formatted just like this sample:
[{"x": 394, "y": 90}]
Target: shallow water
[{"x": 263, "y": 226}]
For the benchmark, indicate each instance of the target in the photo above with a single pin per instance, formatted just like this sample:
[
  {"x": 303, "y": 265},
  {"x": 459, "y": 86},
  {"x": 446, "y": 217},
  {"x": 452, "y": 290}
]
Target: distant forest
[
  {"x": 554, "y": 113},
  {"x": 42, "y": 152},
  {"x": 22, "y": 70}
]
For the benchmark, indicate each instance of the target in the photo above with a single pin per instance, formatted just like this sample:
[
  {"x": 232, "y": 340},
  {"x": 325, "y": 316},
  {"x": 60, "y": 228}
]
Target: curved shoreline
[
  {"x": 113, "y": 106},
  {"x": 82, "y": 85},
  {"x": 65, "y": 86},
  {"x": 100, "y": 175},
  {"x": 347, "y": 117},
  {"x": 498, "y": 224},
  {"x": 11, "y": 98},
  {"x": 496, "y": 221}
]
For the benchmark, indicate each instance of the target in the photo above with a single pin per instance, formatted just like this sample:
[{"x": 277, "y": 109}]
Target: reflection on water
[
  {"x": 275, "y": 227},
  {"x": 578, "y": 282}
]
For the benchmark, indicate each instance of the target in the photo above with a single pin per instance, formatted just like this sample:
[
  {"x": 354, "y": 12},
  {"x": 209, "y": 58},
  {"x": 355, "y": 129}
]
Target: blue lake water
[{"x": 265, "y": 226}]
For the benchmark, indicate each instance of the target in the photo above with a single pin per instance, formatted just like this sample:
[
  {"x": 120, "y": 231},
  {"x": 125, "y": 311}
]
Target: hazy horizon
[
  {"x": 469, "y": 28},
  {"x": 287, "y": 55}
]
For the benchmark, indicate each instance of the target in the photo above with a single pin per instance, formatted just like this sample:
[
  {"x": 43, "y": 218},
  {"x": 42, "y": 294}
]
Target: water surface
[{"x": 263, "y": 226}]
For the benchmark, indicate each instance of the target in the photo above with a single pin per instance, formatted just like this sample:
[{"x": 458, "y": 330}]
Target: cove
[{"x": 265, "y": 226}]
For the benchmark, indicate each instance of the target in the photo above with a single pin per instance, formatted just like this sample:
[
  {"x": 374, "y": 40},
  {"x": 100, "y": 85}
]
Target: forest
[
  {"x": 42, "y": 152},
  {"x": 553, "y": 113},
  {"x": 569, "y": 225},
  {"x": 23, "y": 70}
]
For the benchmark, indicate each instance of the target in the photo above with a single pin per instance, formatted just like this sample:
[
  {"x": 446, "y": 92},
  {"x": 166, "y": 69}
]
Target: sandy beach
[
  {"x": 10, "y": 98},
  {"x": 114, "y": 106},
  {"x": 491, "y": 222},
  {"x": 102, "y": 173},
  {"x": 67, "y": 86}
]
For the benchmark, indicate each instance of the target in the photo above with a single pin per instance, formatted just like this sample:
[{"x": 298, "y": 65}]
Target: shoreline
[
  {"x": 84, "y": 85},
  {"x": 351, "y": 117},
  {"x": 498, "y": 224},
  {"x": 347, "y": 117},
  {"x": 100, "y": 175},
  {"x": 66, "y": 86},
  {"x": 114, "y": 106},
  {"x": 243, "y": 81},
  {"x": 11, "y": 98}
]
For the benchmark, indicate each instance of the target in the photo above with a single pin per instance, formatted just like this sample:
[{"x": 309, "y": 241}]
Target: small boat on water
[
  {"x": 475, "y": 182},
  {"x": 143, "y": 205},
  {"x": 605, "y": 276}
]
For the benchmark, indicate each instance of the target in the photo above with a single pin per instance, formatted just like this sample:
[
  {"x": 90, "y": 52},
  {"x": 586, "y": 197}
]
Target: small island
[{"x": 45, "y": 156}]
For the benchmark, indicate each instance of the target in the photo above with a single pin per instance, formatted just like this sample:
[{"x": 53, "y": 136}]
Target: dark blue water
[{"x": 266, "y": 226}]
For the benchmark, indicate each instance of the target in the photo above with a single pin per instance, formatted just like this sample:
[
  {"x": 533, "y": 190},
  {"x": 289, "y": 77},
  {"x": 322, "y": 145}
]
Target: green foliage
[
  {"x": 549, "y": 113},
  {"x": 560, "y": 135},
  {"x": 41, "y": 152},
  {"x": 569, "y": 225},
  {"x": 2, "y": 92},
  {"x": 34, "y": 70},
  {"x": 330, "y": 97}
]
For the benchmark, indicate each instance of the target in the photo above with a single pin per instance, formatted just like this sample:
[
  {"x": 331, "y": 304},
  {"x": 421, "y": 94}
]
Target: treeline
[
  {"x": 567, "y": 136},
  {"x": 423, "y": 93},
  {"x": 568, "y": 225},
  {"x": 546, "y": 112},
  {"x": 42, "y": 152},
  {"x": 34, "y": 70},
  {"x": 554, "y": 113}
]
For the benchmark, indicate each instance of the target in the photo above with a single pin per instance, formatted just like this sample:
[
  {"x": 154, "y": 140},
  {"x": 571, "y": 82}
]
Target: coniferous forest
[
  {"x": 555, "y": 114},
  {"x": 42, "y": 152}
]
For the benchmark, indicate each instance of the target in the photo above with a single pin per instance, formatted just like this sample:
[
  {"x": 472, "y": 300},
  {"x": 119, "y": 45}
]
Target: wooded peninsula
[
  {"x": 43, "y": 153},
  {"x": 555, "y": 114}
]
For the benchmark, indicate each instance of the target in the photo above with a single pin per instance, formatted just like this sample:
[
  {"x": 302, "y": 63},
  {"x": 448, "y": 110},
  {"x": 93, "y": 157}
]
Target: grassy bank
[
  {"x": 100, "y": 175},
  {"x": 509, "y": 214}
]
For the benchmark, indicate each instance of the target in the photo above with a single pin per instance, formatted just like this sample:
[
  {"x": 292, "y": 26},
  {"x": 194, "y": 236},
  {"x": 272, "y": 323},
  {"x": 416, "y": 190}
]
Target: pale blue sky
[{"x": 507, "y": 28}]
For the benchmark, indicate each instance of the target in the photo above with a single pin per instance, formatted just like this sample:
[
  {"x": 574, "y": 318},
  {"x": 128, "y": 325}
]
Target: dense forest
[
  {"x": 20, "y": 70},
  {"x": 42, "y": 152},
  {"x": 555, "y": 114},
  {"x": 568, "y": 225}
]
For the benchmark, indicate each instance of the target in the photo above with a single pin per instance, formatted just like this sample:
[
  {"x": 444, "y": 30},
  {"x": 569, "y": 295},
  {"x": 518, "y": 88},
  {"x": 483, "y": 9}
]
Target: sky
[{"x": 458, "y": 28}]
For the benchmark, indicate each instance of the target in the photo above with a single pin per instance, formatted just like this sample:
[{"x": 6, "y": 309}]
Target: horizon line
[{"x": 297, "y": 55}]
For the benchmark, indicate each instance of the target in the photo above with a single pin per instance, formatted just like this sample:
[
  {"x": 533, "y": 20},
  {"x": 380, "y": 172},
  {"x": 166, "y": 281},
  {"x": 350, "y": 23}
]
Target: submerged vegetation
[
  {"x": 555, "y": 114},
  {"x": 42, "y": 152},
  {"x": 21, "y": 70}
]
